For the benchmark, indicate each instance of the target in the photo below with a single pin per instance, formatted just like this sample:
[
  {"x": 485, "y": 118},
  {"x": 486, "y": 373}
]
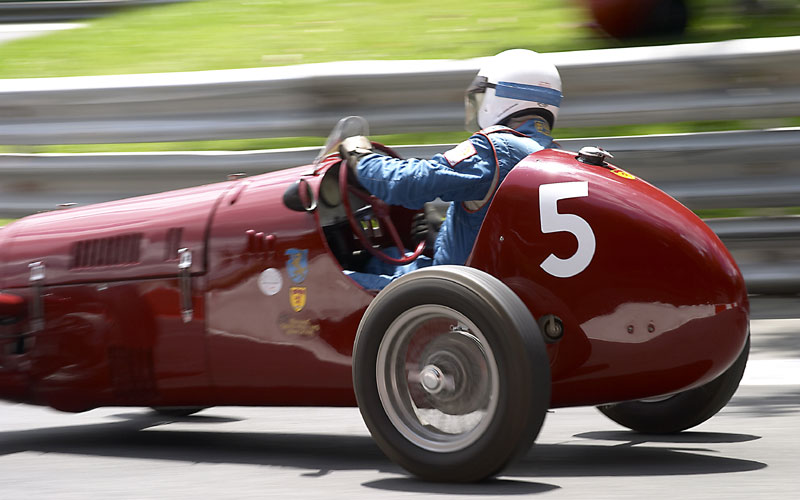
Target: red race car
[
  {"x": 586, "y": 286},
  {"x": 626, "y": 19}
]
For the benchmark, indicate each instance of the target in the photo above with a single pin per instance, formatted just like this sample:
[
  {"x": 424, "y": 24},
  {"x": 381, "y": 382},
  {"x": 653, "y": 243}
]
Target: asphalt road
[{"x": 749, "y": 450}]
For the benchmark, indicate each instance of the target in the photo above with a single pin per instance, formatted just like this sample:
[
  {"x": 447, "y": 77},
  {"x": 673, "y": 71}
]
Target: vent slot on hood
[{"x": 113, "y": 251}]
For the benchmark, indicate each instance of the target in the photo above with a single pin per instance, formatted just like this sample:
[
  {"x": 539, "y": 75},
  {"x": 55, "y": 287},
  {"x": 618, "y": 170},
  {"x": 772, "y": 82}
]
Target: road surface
[{"x": 749, "y": 450}]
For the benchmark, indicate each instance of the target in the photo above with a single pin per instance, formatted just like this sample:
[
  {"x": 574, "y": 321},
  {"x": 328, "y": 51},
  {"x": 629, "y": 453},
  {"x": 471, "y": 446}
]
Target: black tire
[
  {"x": 481, "y": 361},
  {"x": 177, "y": 411},
  {"x": 682, "y": 410}
]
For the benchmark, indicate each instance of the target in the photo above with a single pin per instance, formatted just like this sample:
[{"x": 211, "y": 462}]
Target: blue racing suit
[{"x": 467, "y": 175}]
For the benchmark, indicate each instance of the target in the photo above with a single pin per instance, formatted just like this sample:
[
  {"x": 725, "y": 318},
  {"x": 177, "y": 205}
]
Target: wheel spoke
[
  {"x": 383, "y": 212},
  {"x": 387, "y": 223},
  {"x": 360, "y": 194}
]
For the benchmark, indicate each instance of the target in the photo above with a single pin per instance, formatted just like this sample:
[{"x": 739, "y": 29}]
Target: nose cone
[{"x": 657, "y": 304}]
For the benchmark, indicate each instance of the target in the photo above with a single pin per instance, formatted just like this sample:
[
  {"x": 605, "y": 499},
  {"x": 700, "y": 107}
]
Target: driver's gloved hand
[
  {"x": 420, "y": 229},
  {"x": 353, "y": 149}
]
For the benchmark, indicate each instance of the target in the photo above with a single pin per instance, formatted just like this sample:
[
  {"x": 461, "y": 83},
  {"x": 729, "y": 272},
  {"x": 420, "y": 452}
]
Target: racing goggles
[
  {"x": 473, "y": 99},
  {"x": 476, "y": 92}
]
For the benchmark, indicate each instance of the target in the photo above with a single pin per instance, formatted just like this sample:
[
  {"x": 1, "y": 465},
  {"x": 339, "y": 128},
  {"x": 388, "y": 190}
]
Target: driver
[{"x": 514, "y": 101}]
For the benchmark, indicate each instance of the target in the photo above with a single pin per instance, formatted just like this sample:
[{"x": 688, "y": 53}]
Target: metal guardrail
[
  {"x": 767, "y": 250},
  {"x": 725, "y": 80},
  {"x": 44, "y": 11},
  {"x": 709, "y": 170},
  {"x": 757, "y": 78},
  {"x": 748, "y": 168}
]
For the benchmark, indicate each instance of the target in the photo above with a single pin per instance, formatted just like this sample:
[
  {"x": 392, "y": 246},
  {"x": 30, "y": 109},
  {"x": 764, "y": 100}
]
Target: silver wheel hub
[
  {"x": 437, "y": 378},
  {"x": 432, "y": 379}
]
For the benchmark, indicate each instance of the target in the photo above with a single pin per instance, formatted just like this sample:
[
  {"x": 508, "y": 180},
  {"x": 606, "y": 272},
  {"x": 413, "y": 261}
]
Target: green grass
[
  {"x": 222, "y": 34},
  {"x": 716, "y": 213}
]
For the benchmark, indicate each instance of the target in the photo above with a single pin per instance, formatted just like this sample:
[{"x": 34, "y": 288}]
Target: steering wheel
[{"x": 381, "y": 210}]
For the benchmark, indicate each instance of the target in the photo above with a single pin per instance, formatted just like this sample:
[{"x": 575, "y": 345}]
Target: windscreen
[{"x": 347, "y": 127}]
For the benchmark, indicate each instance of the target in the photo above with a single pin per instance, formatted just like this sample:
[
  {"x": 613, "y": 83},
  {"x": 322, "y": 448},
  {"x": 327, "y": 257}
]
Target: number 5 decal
[{"x": 554, "y": 222}]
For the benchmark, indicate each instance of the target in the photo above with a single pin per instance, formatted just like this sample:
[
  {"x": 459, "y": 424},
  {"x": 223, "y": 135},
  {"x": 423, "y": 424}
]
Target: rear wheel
[
  {"x": 451, "y": 374},
  {"x": 683, "y": 410}
]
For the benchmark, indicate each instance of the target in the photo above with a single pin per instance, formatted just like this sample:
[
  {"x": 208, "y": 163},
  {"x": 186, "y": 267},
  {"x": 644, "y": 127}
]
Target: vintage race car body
[
  {"x": 113, "y": 330},
  {"x": 223, "y": 295},
  {"x": 661, "y": 307}
]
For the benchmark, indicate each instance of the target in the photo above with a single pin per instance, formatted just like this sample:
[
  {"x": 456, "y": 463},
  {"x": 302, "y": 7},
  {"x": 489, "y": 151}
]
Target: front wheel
[
  {"x": 451, "y": 374},
  {"x": 683, "y": 410}
]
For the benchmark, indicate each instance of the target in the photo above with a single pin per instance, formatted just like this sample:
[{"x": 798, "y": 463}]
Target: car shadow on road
[
  {"x": 626, "y": 453},
  {"x": 492, "y": 487},
  {"x": 148, "y": 436}
]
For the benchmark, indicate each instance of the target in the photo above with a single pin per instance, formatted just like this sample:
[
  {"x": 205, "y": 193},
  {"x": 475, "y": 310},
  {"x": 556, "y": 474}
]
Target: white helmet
[{"x": 512, "y": 81}]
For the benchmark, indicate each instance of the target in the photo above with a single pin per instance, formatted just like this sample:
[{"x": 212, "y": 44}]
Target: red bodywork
[
  {"x": 661, "y": 306},
  {"x": 639, "y": 18}
]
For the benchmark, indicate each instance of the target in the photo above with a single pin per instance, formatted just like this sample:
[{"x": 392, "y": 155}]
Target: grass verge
[{"x": 220, "y": 34}]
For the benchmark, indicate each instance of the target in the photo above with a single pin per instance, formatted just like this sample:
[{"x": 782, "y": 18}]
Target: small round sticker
[{"x": 270, "y": 281}]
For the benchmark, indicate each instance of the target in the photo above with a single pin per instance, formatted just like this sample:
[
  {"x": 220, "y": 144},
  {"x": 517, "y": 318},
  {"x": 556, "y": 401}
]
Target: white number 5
[{"x": 554, "y": 222}]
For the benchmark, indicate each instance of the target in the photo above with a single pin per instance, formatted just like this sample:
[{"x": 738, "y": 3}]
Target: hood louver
[{"x": 115, "y": 251}]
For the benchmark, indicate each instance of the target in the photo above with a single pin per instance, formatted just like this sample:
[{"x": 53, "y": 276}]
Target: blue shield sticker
[{"x": 297, "y": 264}]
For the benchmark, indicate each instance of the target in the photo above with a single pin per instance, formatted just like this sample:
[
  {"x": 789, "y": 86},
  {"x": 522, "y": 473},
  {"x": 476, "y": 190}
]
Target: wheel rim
[{"x": 437, "y": 378}]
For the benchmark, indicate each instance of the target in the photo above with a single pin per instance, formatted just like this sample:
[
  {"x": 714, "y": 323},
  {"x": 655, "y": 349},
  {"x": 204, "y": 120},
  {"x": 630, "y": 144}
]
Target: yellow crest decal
[
  {"x": 297, "y": 297},
  {"x": 622, "y": 173}
]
